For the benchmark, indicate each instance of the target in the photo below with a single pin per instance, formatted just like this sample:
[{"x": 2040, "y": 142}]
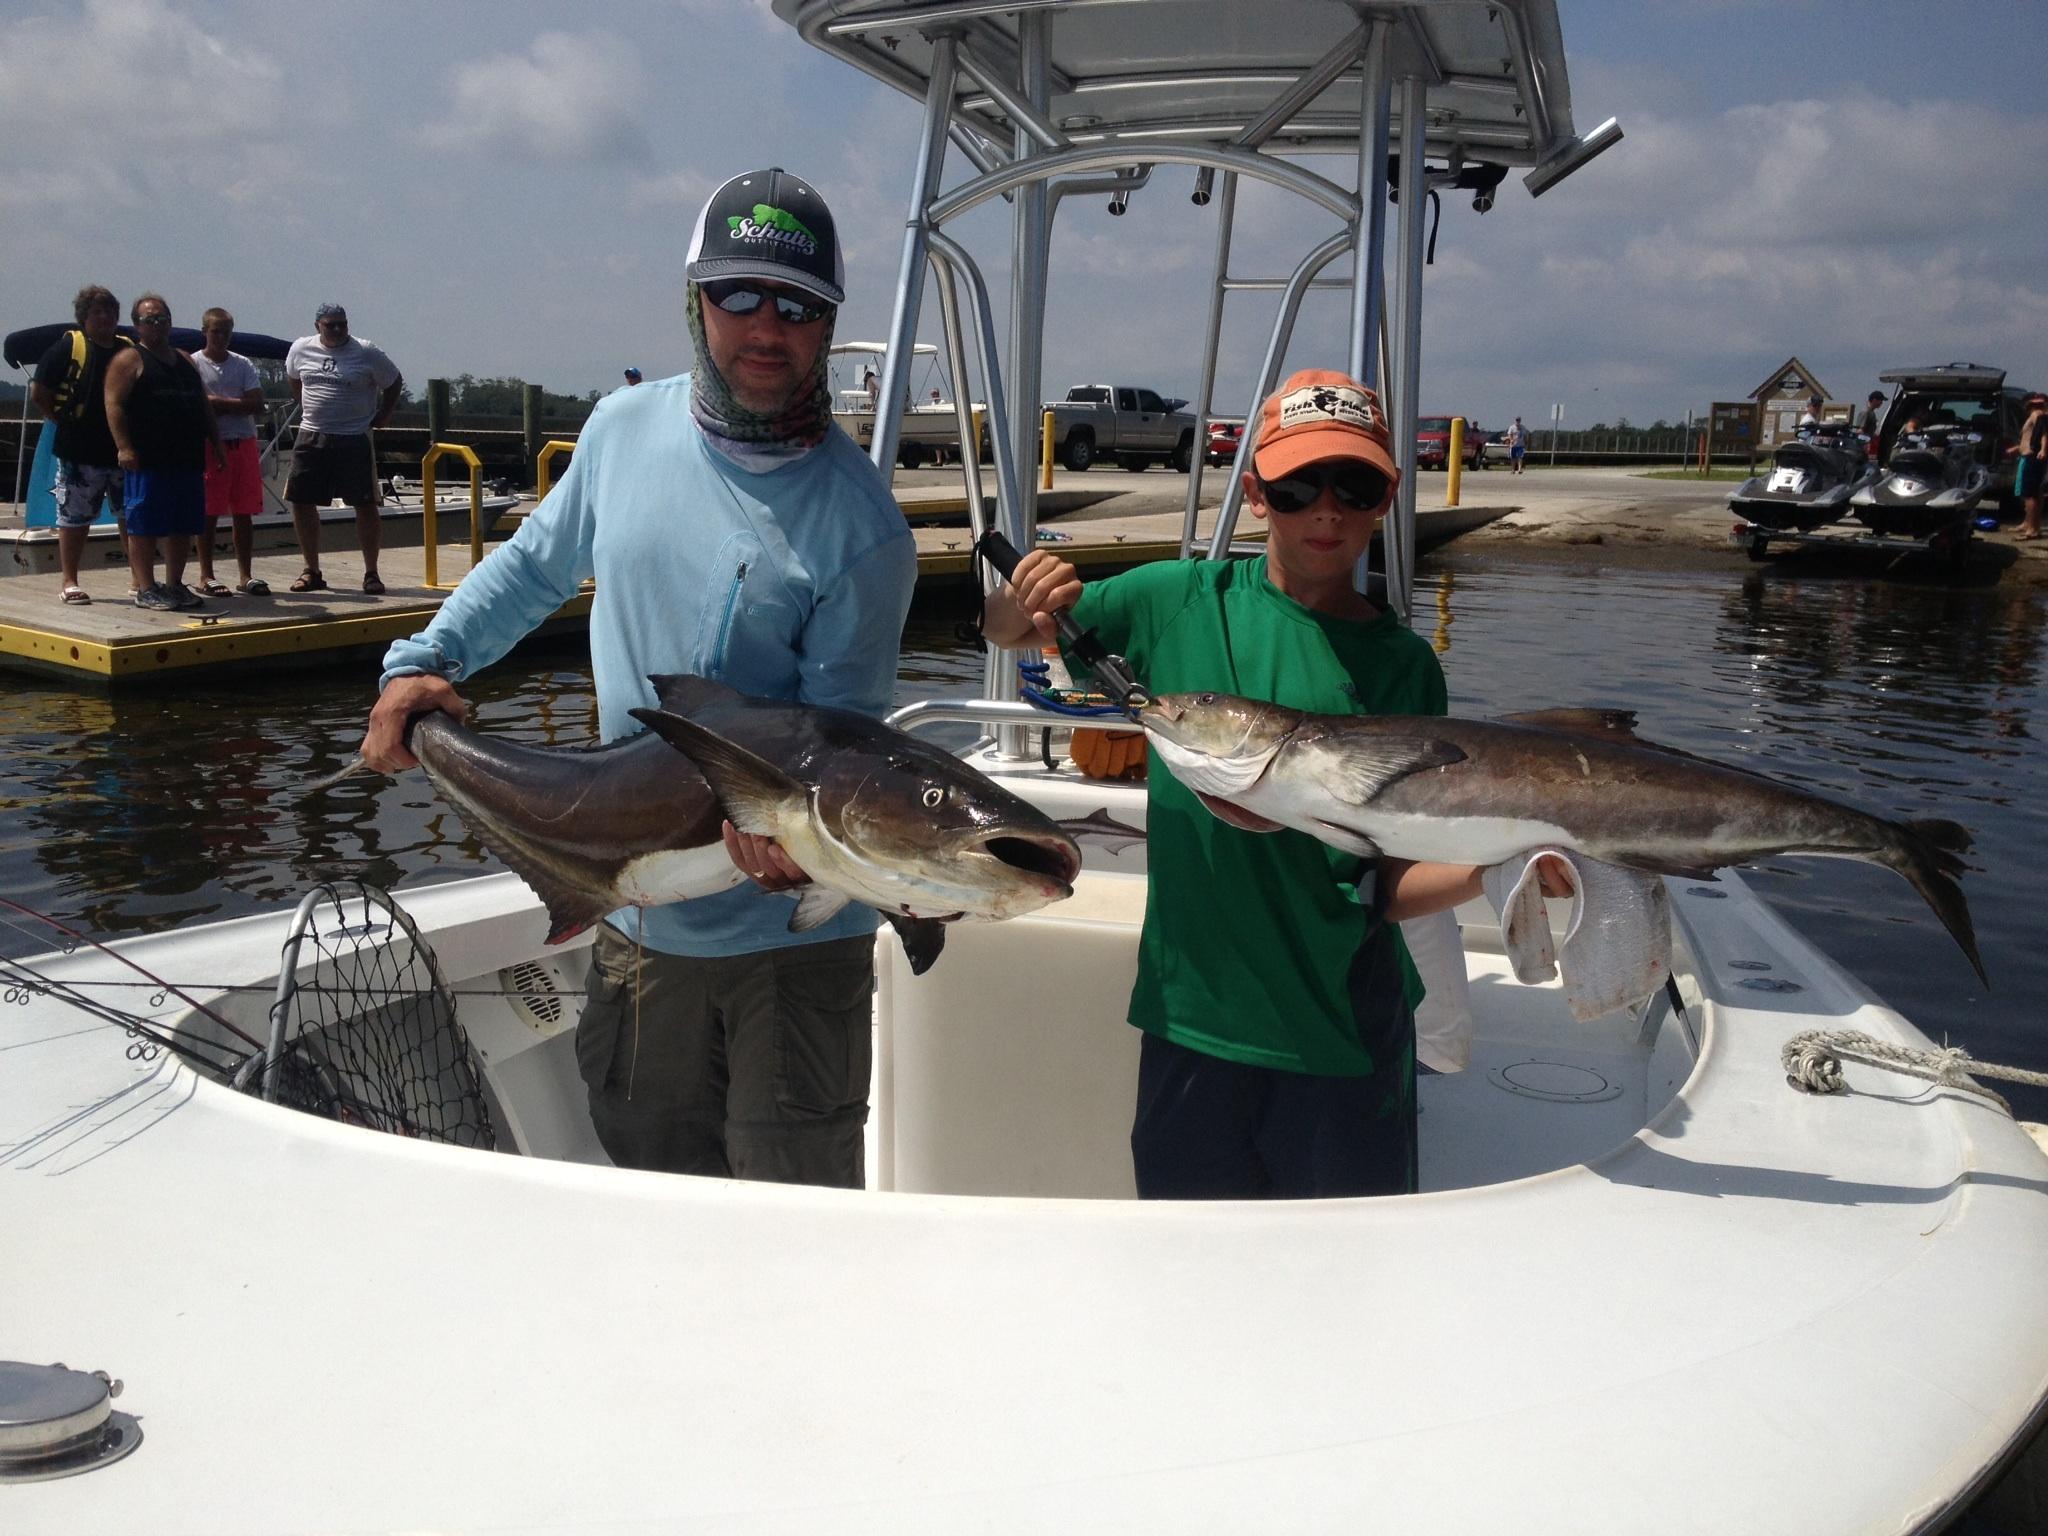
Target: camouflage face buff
[{"x": 799, "y": 427}]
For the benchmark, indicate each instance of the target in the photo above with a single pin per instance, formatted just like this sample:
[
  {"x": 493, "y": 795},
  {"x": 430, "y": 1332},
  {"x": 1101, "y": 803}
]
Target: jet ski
[
  {"x": 1932, "y": 481},
  {"x": 1811, "y": 480}
]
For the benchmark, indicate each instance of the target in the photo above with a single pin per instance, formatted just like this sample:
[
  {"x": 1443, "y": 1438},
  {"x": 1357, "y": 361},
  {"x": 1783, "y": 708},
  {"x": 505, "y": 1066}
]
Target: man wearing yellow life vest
[{"x": 69, "y": 389}]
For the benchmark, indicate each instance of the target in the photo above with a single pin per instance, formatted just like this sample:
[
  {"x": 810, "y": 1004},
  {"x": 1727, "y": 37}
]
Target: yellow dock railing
[
  {"x": 430, "y": 527},
  {"x": 544, "y": 463}
]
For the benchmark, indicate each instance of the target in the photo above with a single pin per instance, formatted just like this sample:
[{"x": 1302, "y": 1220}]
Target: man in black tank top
[{"x": 163, "y": 429}]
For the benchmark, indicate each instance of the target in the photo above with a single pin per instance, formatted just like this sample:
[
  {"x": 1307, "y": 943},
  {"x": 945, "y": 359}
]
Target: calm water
[{"x": 138, "y": 811}]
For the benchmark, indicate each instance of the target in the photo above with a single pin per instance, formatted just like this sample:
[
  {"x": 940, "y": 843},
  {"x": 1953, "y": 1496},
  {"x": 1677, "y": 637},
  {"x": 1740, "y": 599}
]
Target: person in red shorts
[{"x": 234, "y": 490}]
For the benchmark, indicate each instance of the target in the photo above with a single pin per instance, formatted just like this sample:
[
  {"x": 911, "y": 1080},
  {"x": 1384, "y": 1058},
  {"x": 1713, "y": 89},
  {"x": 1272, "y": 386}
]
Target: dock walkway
[{"x": 109, "y": 641}]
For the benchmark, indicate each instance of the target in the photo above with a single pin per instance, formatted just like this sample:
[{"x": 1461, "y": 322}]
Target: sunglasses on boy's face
[
  {"x": 1357, "y": 487},
  {"x": 736, "y": 297}
]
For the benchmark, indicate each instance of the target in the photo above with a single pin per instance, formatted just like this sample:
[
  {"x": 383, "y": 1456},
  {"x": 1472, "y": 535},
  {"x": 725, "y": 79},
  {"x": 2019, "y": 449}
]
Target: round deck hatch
[
  {"x": 55, "y": 1421},
  {"x": 1555, "y": 1082}
]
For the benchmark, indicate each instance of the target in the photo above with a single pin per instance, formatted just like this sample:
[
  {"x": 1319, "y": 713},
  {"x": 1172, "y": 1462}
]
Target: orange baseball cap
[{"x": 1319, "y": 414}]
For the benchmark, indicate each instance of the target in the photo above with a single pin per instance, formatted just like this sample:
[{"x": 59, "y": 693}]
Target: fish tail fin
[
  {"x": 751, "y": 789},
  {"x": 1928, "y": 853},
  {"x": 347, "y": 770}
]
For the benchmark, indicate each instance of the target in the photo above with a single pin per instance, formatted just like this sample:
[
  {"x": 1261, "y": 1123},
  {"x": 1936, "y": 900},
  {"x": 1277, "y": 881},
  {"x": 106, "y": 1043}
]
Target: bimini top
[
  {"x": 1196, "y": 71},
  {"x": 23, "y": 348}
]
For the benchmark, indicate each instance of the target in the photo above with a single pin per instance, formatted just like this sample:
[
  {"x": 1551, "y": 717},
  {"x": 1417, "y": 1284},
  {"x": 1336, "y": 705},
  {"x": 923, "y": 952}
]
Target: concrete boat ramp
[{"x": 1101, "y": 524}]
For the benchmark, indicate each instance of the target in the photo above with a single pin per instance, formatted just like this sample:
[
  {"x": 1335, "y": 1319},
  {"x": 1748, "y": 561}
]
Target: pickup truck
[
  {"x": 1433, "y": 443},
  {"x": 1133, "y": 426}
]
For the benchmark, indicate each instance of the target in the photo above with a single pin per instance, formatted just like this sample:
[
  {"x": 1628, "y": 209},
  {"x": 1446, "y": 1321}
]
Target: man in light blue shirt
[{"x": 734, "y": 532}]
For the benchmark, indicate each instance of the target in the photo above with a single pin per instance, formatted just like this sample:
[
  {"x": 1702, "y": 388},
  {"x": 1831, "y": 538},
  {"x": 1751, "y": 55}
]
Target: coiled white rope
[{"x": 1813, "y": 1060}]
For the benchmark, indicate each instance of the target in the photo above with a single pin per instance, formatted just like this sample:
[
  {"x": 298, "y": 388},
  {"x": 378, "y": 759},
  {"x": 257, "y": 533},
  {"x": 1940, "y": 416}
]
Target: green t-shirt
[{"x": 1250, "y": 936}]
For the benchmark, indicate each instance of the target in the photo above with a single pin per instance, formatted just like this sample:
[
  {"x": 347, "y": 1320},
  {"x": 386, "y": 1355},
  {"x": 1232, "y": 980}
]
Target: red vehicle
[
  {"x": 1433, "y": 443},
  {"x": 1223, "y": 441}
]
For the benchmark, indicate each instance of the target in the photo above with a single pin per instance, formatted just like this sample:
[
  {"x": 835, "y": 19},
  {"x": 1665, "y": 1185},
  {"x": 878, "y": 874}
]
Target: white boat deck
[{"x": 323, "y": 1328}]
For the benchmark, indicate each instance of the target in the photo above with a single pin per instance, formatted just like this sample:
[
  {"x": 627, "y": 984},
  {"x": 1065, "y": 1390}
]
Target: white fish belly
[
  {"x": 1437, "y": 839},
  {"x": 656, "y": 879}
]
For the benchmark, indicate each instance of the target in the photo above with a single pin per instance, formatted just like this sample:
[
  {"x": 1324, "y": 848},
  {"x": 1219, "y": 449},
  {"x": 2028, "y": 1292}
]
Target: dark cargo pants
[{"x": 745, "y": 1066}]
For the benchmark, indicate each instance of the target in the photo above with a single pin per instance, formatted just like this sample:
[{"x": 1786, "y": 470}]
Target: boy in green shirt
[{"x": 1273, "y": 989}]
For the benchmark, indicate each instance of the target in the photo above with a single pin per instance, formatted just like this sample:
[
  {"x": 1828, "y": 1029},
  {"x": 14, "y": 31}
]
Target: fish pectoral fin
[
  {"x": 1358, "y": 773},
  {"x": 922, "y": 938},
  {"x": 1236, "y": 815},
  {"x": 684, "y": 693},
  {"x": 751, "y": 788},
  {"x": 818, "y": 904}
]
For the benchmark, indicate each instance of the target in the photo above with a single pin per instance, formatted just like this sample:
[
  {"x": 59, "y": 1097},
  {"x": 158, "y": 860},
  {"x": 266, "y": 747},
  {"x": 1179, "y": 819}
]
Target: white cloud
[
  {"x": 566, "y": 100},
  {"x": 103, "y": 108}
]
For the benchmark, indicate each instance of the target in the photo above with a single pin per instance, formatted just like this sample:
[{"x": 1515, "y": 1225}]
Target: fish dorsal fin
[
  {"x": 684, "y": 693},
  {"x": 753, "y": 790},
  {"x": 1364, "y": 768},
  {"x": 818, "y": 904},
  {"x": 1620, "y": 724}
]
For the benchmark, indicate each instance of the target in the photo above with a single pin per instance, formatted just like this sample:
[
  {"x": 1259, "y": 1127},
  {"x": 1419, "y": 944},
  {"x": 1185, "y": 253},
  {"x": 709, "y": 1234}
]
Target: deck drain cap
[
  {"x": 55, "y": 1421},
  {"x": 1556, "y": 1082}
]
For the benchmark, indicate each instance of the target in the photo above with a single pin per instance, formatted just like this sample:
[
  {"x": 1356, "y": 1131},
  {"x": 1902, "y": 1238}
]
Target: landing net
[{"x": 364, "y": 1030}]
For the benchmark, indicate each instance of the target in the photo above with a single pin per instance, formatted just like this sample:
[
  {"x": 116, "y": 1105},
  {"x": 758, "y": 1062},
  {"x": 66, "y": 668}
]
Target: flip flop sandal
[
  {"x": 77, "y": 595},
  {"x": 212, "y": 588},
  {"x": 310, "y": 581},
  {"x": 373, "y": 585},
  {"x": 255, "y": 586}
]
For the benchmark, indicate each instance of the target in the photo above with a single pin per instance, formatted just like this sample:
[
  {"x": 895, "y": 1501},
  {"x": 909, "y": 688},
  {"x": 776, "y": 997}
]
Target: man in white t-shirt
[
  {"x": 234, "y": 490},
  {"x": 347, "y": 387}
]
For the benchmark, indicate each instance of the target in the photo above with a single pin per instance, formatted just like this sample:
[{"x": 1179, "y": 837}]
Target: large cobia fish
[
  {"x": 1481, "y": 791},
  {"x": 899, "y": 824},
  {"x": 870, "y": 813}
]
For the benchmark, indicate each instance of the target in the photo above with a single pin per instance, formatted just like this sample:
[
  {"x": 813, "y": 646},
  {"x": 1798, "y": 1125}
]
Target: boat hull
[{"x": 33, "y": 551}]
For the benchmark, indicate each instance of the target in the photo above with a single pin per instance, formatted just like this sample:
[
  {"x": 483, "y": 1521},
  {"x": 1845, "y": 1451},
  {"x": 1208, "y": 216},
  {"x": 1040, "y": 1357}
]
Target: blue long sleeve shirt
[{"x": 789, "y": 584}]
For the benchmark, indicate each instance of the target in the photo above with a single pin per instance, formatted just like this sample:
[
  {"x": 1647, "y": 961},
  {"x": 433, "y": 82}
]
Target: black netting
[{"x": 370, "y": 1035}]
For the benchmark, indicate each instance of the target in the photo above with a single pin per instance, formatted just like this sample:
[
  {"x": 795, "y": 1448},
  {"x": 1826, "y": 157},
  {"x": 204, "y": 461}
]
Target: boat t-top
[{"x": 1649, "y": 1284}]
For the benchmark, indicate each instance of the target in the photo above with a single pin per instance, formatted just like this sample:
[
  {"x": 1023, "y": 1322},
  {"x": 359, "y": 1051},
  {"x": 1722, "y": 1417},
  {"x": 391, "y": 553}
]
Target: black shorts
[{"x": 333, "y": 466}]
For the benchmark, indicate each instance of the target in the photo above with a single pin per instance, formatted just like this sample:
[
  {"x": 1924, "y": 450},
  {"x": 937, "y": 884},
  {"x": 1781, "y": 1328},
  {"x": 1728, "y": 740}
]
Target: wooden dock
[{"x": 111, "y": 642}]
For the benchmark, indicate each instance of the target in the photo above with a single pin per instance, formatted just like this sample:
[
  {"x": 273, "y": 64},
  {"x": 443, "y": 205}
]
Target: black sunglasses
[
  {"x": 1358, "y": 487},
  {"x": 742, "y": 298},
  {"x": 154, "y": 320},
  {"x": 333, "y": 323}
]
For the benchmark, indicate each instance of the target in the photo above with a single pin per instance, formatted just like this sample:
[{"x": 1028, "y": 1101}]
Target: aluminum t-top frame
[{"x": 1048, "y": 98}]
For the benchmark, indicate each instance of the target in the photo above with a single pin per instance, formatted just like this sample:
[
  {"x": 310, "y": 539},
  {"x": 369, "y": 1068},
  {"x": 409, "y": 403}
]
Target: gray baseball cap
[{"x": 769, "y": 224}]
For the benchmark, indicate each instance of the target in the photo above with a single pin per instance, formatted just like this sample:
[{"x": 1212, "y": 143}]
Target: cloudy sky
[{"x": 507, "y": 189}]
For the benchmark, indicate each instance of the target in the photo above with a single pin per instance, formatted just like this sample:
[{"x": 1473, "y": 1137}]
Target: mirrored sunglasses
[
  {"x": 737, "y": 297},
  {"x": 1358, "y": 487}
]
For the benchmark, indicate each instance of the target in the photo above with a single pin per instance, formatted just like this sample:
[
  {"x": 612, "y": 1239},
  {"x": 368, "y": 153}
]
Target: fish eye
[
  {"x": 1208, "y": 698},
  {"x": 933, "y": 797}
]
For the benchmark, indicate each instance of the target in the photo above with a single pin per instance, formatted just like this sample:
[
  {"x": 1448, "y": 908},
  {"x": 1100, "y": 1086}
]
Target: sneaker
[
  {"x": 181, "y": 596},
  {"x": 156, "y": 599}
]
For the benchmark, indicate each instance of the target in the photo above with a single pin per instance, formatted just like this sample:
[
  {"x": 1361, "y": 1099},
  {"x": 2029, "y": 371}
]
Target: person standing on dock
[
  {"x": 2031, "y": 476},
  {"x": 70, "y": 390},
  {"x": 1274, "y": 991},
  {"x": 734, "y": 532},
  {"x": 157, "y": 411},
  {"x": 1518, "y": 446},
  {"x": 348, "y": 388},
  {"x": 234, "y": 491}
]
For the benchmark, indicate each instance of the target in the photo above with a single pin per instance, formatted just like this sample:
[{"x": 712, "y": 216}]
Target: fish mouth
[{"x": 1051, "y": 859}]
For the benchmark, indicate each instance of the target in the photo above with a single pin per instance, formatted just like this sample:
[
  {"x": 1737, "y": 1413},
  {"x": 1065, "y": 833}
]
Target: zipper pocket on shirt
[{"x": 732, "y": 602}]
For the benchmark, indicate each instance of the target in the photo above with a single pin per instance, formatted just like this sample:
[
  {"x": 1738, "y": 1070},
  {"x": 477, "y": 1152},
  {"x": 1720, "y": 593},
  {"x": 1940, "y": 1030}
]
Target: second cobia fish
[{"x": 1481, "y": 791}]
